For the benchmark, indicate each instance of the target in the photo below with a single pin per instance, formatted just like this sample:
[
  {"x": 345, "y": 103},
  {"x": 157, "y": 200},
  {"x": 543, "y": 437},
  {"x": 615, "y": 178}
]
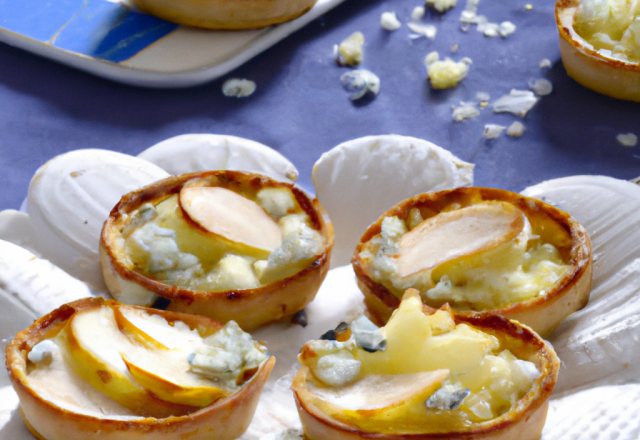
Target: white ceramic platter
[
  {"x": 110, "y": 39},
  {"x": 597, "y": 394}
]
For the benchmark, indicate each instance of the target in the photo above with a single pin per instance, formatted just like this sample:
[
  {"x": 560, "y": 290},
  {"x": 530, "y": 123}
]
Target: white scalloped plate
[
  {"x": 110, "y": 39},
  {"x": 606, "y": 411}
]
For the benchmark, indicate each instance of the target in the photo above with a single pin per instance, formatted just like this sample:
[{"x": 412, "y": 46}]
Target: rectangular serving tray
[{"x": 109, "y": 38}]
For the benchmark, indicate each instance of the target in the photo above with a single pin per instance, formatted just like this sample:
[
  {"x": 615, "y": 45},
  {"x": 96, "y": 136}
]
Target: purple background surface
[{"x": 301, "y": 110}]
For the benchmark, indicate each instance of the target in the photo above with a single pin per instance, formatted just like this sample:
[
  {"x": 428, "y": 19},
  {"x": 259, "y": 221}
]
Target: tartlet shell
[
  {"x": 250, "y": 308},
  {"x": 542, "y": 313},
  {"x": 225, "y": 419},
  {"x": 523, "y": 422},
  {"x": 607, "y": 76},
  {"x": 226, "y": 14}
]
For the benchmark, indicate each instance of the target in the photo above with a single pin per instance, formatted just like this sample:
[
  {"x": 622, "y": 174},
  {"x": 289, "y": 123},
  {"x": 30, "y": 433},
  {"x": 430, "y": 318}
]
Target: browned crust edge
[
  {"x": 524, "y": 410},
  {"x": 566, "y": 34},
  {"x": 583, "y": 62},
  {"x": 318, "y": 268},
  {"x": 580, "y": 257},
  {"x": 17, "y": 350}
]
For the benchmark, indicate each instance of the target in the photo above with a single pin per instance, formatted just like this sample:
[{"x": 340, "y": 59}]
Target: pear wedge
[
  {"x": 63, "y": 416},
  {"x": 134, "y": 332},
  {"x": 134, "y": 360},
  {"x": 227, "y": 214},
  {"x": 173, "y": 385},
  {"x": 458, "y": 234},
  {"x": 382, "y": 391},
  {"x": 101, "y": 364}
]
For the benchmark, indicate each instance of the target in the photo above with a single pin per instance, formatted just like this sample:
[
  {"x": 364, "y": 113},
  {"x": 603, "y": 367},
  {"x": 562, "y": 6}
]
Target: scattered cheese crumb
[
  {"x": 454, "y": 48},
  {"x": 541, "y": 86},
  {"x": 359, "y": 82},
  {"x": 441, "y": 5},
  {"x": 349, "y": 52},
  {"x": 545, "y": 63},
  {"x": 427, "y": 30},
  {"x": 506, "y": 28},
  {"x": 489, "y": 29},
  {"x": 389, "y": 21},
  {"x": 447, "y": 73},
  {"x": 470, "y": 16},
  {"x": 528, "y": 7},
  {"x": 465, "y": 111},
  {"x": 417, "y": 13},
  {"x": 518, "y": 102},
  {"x": 483, "y": 96},
  {"x": 238, "y": 88},
  {"x": 627, "y": 140},
  {"x": 42, "y": 351},
  {"x": 431, "y": 57},
  {"x": 516, "y": 129},
  {"x": 492, "y": 131}
]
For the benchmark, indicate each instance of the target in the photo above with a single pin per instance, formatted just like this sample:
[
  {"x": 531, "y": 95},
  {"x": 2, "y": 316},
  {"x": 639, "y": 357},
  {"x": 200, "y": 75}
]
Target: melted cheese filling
[
  {"x": 517, "y": 270},
  {"x": 612, "y": 27},
  {"x": 176, "y": 354},
  {"x": 162, "y": 244},
  {"x": 445, "y": 376}
]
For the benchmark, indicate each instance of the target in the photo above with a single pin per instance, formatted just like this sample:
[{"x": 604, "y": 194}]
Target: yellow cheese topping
[
  {"x": 221, "y": 241},
  {"x": 427, "y": 375},
  {"x": 611, "y": 26},
  {"x": 476, "y": 258}
]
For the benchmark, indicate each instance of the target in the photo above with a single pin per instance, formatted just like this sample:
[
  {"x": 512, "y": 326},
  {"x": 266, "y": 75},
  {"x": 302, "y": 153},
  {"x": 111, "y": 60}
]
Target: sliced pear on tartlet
[
  {"x": 230, "y": 216},
  {"x": 497, "y": 391},
  {"x": 481, "y": 250},
  {"x": 229, "y": 245},
  {"x": 58, "y": 404},
  {"x": 606, "y": 71}
]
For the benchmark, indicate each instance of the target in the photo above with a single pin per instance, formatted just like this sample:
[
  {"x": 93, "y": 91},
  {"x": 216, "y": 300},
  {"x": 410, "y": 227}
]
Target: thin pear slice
[
  {"x": 458, "y": 234},
  {"x": 166, "y": 336},
  {"x": 101, "y": 365},
  {"x": 378, "y": 391},
  {"x": 172, "y": 384},
  {"x": 134, "y": 333},
  {"x": 156, "y": 367},
  {"x": 231, "y": 216}
]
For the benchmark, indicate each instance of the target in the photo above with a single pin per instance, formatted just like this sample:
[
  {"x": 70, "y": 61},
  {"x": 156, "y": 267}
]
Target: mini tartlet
[
  {"x": 240, "y": 246},
  {"x": 427, "y": 375},
  {"x": 226, "y": 14},
  {"x": 58, "y": 409},
  {"x": 600, "y": 72},
  {"x": 448, "y": 243}
]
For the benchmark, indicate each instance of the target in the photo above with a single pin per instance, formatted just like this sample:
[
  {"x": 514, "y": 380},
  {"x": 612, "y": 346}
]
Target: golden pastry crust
[
  {"x": 250, "y": 308},
  {"x": 226, "y": 14},
  {"x": 228, "y": 418},
  {"x": 524, "y": 421},
  {"x": 542, "y": 313},
  {"x": 587, "y": 66}
]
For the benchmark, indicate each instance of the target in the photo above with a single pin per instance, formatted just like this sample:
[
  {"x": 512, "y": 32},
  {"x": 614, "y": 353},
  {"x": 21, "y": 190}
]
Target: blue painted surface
[{"x": 97, "y": 28}]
